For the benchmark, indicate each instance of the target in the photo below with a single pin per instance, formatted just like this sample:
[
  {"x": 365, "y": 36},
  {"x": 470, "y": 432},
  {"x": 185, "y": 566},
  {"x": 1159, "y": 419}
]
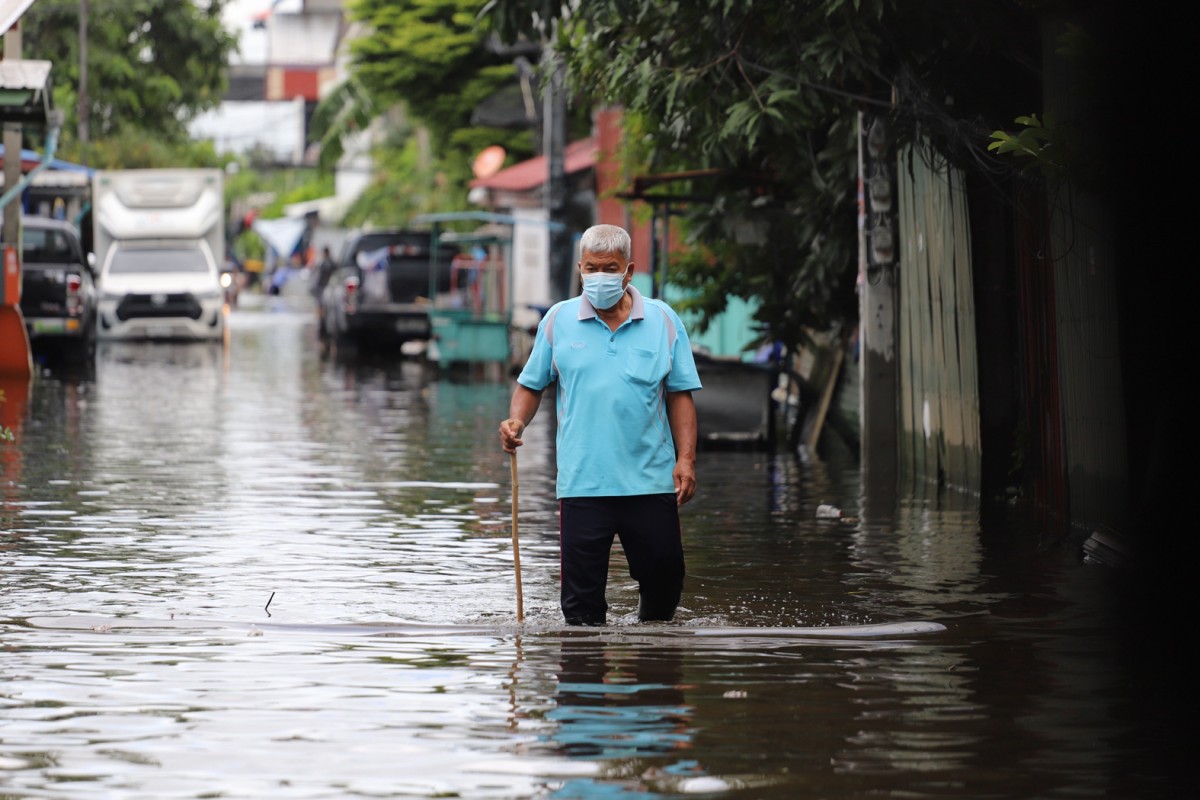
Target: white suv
[{"x": 161, "y": 289}]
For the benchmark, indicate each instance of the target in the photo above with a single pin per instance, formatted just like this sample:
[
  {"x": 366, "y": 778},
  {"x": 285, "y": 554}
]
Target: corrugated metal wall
[
  {"x": 1076, "y": 461},
  {"x": 939, "y": 386},
  {"x": 1042, "y": 440},
  {"x": 1093, "y": 408},
  {"x": 1073, "y": 449},
  {"x": 1082, "y": 254}
]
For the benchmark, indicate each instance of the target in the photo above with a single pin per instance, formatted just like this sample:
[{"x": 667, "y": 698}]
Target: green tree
[
  {"x": 1070, "y": 151},
  {"x": 406, "y": 180},
  {"x": 764, "y": 97},
  {"x": 422, "y": 68},
  {"x": 140, "y": 149},
  {"x": 152, "y": 65},
  {"x": 432, "y": 56}
]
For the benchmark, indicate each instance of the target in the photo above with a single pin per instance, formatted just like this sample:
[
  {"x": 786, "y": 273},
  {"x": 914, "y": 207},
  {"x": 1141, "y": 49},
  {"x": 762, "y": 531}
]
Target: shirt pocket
[{"x": 644, "y": 366}]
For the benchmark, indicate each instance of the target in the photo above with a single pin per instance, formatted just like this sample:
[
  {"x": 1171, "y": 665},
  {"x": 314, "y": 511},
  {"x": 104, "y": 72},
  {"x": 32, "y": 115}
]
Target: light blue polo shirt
[{"x": 613, "y": 433}]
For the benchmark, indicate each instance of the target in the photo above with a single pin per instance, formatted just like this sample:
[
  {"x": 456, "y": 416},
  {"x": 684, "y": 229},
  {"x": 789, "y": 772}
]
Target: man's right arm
[{"x": 521, "y": 410}]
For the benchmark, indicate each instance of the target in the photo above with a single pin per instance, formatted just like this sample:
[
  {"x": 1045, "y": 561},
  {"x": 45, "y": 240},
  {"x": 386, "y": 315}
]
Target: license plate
[
  {"x": 48, "y": 326},
  {"x": 410, "y": 325}
]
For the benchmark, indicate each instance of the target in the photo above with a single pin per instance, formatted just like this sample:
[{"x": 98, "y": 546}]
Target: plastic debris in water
[{"x": 826, "y": 511}]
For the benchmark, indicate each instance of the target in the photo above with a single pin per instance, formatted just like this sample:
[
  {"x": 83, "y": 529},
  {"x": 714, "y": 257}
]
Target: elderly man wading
[{"x": 626, "y": 430}]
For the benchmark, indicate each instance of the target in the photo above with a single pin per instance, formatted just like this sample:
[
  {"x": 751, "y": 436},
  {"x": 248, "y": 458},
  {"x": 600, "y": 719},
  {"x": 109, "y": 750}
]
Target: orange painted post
[
  {"x": 14, "y": 404},
  {"x": 12, "y": 277},
  {"x": 16, "y": 361}
]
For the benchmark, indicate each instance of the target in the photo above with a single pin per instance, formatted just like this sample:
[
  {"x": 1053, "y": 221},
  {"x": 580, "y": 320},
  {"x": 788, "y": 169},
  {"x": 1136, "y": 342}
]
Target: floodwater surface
[{"x": 246, "y": 571}]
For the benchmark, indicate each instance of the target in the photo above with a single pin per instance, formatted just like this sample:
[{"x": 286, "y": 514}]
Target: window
[
  {"x": 45, "y": 247},
  {"x": 159, "y": 259}
]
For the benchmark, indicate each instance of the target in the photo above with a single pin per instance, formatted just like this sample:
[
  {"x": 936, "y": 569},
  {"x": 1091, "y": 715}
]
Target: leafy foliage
[
  {"x": 298, "y": 186},
  {"x": 431, "y": 56},
  {"x": 137, "y": 148},
  {"x": 1035, "y": 141},
  {"x": 418, "y": 51},
  {"x": 763, "y": 97},
  {"x": 728, "y": 88},
  {"x": 152, "y": 65},
  {"x": 407, "y": 181},
  {"x": 6, "y": 433},
  {"x": 1060, "y": 151},
  {"x": 344, "y": 112},
  {"x": 421, "y": 70}
]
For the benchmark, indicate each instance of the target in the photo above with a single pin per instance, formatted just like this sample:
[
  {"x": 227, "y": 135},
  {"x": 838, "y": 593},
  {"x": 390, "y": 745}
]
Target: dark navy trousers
[{"x": 648, "y": 527}]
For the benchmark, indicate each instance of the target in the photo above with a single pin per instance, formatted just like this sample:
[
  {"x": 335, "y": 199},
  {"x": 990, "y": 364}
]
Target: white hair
[{"x": 606, "y": 239}]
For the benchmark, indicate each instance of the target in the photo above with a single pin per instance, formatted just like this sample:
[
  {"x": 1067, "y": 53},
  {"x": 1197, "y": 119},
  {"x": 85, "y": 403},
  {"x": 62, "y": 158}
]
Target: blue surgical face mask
[{"x": 604, "y": 289}]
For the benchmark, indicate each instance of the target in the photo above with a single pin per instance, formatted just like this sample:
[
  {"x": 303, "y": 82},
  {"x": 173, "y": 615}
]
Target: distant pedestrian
[
  {"x": 322, "y": 273},
  {"x": 626, "y": 439},
  {"x": 283, "y": 274}
]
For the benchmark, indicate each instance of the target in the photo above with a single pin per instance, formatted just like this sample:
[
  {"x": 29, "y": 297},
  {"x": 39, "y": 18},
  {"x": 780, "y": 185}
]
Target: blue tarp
[{"x": 55, "y": 163}]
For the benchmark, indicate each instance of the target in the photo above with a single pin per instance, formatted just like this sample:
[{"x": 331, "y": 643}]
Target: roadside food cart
[{"x": 473, "y": 322}]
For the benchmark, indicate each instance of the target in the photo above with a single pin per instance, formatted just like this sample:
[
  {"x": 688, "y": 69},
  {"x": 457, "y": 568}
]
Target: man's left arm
[{"x": 681, "y": 413}]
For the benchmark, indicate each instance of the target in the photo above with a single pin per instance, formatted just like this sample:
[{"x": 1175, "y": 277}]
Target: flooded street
[{"x": 245, "y": 571}]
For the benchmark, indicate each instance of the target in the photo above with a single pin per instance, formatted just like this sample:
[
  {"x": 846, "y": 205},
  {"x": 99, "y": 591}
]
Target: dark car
[
  {"x": 377, "y": 297},
  {"x": 58, "y": 290}
]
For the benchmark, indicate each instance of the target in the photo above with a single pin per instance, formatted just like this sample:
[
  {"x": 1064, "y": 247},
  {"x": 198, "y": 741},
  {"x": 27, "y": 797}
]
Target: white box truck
[{"x": 159, "y": 243}]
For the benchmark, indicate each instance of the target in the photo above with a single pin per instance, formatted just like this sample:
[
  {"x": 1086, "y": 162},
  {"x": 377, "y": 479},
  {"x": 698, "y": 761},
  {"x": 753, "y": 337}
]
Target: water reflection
[
  {"x": 619, "y": 702},
  {"x": 149, "y": 511},
  {"x": 14, "y": 405}
]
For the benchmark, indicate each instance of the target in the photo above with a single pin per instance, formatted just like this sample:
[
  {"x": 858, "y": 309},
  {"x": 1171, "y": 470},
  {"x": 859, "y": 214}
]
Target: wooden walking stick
[{"x": 516, "y": 546}]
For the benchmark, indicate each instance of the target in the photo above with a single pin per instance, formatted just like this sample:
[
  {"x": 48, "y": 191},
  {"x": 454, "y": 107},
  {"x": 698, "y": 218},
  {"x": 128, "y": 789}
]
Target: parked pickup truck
[
  {"x": 58, "y": 290},
  {"x": 377, "y": 296}
]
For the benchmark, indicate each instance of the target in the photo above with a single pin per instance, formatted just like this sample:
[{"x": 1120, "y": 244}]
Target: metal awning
[
  {"x": 32, "y": 158},
  {"x": 485, "y": 234},
  {"x": 25, "y": 94},
  {"x": 533, "y": 173},
  {"x": 482, "y": 216},
  {"x": 11, "y": 11}
]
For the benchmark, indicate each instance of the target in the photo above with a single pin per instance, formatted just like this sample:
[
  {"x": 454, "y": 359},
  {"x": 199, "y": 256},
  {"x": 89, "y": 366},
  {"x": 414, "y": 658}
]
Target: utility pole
[
  {"x": 554, "y": 139},
  {"x": 12, "y": 148},
  {"x": 16, "y": 363},
  {"x": 83, "y": 81},
  {"x": 878, "y": 334}
]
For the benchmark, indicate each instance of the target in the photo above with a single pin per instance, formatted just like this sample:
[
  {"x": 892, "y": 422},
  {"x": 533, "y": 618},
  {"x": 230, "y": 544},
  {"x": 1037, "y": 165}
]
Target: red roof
[{"x": 577, "y": 156}]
